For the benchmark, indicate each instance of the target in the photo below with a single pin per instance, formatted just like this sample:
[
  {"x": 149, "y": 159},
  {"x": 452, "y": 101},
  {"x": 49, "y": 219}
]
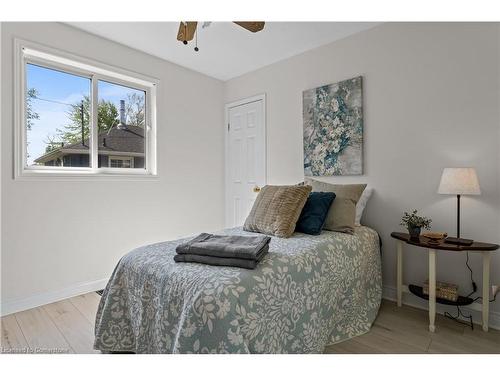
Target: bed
[{"x": 307, "y": 293}]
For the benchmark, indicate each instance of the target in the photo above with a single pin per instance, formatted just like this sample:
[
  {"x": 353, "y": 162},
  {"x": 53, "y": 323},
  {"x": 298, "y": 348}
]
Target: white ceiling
[{"x": 226, "y": 50}]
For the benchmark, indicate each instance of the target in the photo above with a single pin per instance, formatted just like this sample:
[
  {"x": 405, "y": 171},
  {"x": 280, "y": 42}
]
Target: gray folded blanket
[
  {"x": 235, "y": 251},
  {"x": 218, "y": 261}
]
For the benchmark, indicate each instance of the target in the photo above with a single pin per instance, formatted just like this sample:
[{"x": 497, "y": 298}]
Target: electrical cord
[
  {"x": 474, "y": 290},
  {"x": 474, "y": 285},
  {"x": 457, "y": 318},
  {"x": 478, "y": 298}
]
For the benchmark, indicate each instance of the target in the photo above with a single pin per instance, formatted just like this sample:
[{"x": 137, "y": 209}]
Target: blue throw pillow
[{"x": 314, "y": 213}]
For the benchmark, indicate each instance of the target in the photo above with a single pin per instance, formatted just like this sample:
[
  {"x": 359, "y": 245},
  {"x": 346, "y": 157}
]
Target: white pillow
[{"x": 360, "y": 206}]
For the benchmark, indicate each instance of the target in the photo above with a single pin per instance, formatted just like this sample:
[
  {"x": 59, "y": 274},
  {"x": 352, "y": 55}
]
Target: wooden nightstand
[{"x": 432, "y": 246}]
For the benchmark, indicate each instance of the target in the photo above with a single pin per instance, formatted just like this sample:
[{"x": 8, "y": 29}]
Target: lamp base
[{"x": 458, "y": 241}]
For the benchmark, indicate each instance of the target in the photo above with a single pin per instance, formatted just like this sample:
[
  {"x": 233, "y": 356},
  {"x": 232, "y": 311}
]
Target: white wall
[
  {"x": 431, "y": 100},
  {"x": 59, "y": 237}
]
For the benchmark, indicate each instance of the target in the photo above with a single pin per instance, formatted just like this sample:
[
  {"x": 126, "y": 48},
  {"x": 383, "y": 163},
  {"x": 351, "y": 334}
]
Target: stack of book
[{"x": 445, "y": 291}]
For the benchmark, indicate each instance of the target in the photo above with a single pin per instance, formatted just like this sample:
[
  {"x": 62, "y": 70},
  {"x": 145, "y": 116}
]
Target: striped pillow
[{"x": 277, "y": 209}]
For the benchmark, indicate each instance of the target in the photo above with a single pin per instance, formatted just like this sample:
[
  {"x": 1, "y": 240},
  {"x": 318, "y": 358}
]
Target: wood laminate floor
[{"x": 67, "y": 327}]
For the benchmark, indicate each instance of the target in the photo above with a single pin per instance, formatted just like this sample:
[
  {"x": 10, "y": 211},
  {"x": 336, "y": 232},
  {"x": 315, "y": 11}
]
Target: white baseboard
[
  {"x": 25, "y": 303},
  {"x": 389, "y": 293}
]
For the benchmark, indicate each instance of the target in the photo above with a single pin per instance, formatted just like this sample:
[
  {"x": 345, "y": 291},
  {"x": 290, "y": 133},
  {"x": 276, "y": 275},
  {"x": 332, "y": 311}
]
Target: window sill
[{"x": 44, "y": 175}]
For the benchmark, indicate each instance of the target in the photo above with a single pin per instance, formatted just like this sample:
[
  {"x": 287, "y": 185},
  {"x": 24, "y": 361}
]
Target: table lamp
[{"x": 459, "y": 181}]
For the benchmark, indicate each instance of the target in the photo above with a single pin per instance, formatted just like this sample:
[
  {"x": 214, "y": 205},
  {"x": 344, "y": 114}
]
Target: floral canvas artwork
[{"x": 333, "y": 129}]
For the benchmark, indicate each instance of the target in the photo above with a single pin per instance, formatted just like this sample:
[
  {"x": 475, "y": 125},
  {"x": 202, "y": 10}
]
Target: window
[
  {"x": 121, "y": 126},
  {"x": 117, "y": 162},
  {"x": 55, "y": 124},
  {"x": 81, "y": 118}
]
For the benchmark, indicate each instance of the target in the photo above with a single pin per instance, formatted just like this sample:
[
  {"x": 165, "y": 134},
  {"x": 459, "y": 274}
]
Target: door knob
[{"x": 256, "y": 189}]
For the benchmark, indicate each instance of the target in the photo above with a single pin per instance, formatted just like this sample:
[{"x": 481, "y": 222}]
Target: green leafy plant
[
  {"x": 31, "y": 115},
  {"x": 413, "y": 220}
]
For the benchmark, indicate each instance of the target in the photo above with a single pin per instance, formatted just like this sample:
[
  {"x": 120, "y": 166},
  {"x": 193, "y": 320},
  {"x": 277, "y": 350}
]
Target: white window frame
[
  {"x": 30, "y": 52},
  {"x": 122, "y": 158}
]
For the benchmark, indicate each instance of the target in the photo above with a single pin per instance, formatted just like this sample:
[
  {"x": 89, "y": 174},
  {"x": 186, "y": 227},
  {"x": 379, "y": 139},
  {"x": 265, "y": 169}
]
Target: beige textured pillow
[
  {"x": 342, "y": 213},
  {"x": 277, "y": 209}
]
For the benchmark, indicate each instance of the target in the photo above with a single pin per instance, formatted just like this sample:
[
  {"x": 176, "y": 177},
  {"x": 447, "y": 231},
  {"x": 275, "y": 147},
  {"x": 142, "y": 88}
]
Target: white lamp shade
[{"x": 461, "y": 181}]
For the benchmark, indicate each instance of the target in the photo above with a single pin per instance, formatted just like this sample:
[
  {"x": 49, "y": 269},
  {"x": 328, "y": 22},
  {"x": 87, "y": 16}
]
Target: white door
[{"x": 245, "y": 158}]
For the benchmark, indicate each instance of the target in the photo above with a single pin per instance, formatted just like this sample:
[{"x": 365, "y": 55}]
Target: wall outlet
[{"x": 494, "y": 290}]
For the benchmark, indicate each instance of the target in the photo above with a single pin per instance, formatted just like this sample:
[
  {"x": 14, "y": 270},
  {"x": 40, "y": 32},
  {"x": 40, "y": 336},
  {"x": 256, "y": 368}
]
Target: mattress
[{"x": 308, "y": 292}]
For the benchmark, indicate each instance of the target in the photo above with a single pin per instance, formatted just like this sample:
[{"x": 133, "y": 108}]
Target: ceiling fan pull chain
[
  {"x": 196, "y": 39},
  {"x": 185, "y": 33}
]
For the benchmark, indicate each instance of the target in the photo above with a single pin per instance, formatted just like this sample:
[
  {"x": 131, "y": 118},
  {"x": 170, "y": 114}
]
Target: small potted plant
[{"x": 414, "y": 224}]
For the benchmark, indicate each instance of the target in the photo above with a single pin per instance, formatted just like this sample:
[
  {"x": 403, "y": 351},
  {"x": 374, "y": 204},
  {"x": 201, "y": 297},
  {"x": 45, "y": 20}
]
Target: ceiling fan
[{"x": 187, "y": 29}]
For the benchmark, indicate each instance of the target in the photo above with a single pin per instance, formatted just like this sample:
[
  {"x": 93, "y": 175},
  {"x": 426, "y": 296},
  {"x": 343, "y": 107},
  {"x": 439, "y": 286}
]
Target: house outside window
[
  {"x": 121, "y": 162},
  {"x": 77, "y": 117}
]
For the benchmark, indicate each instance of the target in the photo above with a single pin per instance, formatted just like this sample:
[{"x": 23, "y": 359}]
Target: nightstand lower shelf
[{"x": 461, "y": 301}]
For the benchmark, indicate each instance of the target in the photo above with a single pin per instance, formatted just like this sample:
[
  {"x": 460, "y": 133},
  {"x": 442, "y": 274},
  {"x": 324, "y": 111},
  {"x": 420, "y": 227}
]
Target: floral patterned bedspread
[{"x": 308, "y": 292}]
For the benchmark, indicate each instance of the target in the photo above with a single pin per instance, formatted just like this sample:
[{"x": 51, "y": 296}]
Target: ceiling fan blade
[
  {"x": 186, "y": 31},
  {"x": 251, "y": 26}
]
